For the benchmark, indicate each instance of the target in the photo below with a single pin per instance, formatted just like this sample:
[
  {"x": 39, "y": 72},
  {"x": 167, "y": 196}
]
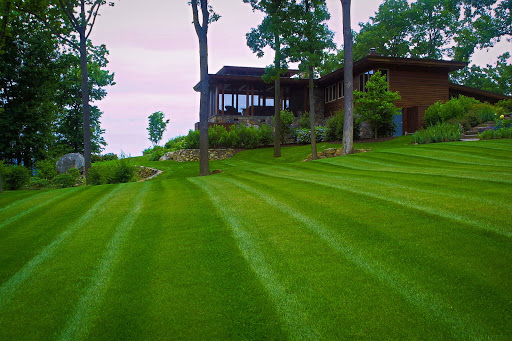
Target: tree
[
  {"x": 348, "y": 124},
  {"x": 375, "y": 105},
  {"x": 308, "y": 46},
  {"x": 66, "y": 19},
  {"x": 388, "y": 31},
  {"x": 274, "y": 31},
  {"x": 208, "y": 17},
  {"x": 495, "y": 78},
  {"x": 156, "y": 127},
  {"x": 30, "y": 70},
  {"x": 69, "y": 123}
]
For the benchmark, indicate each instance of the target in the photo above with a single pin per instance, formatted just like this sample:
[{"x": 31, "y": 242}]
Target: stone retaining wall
[{"x": 185, "y": 155}]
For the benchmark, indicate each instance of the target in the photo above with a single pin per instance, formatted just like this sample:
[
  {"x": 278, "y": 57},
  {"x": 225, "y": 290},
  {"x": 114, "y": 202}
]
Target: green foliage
[
  {"x": 175, "y": 143},
  {"x": 156, "y": 127},
  {"x": 441, "y": 132},
  {"x": 68, "y": 179},
  {"x": 454, "y": 108},
  {"x": 500, "y": 133},
  {"x": 103, "y": 158},
  {"x": 494, "y": 78},
  {"x": 191, "y": 141},
  {"x": 287, "y": 119},
  {"x": 502, "y": 121},
  {"x": 506, "y": 104},
  {"x": 217, "y": 136},
  {"x": 334, "y": 127},
  {"x": 303, "y": 135},
  {"x": 38, "y": 183},
  {"x": 46, "y": 169},
  {"x": 155, "y": 153},
  {"x": 304, "y": 121},
  {"x": 119, "y": 171},
  {"x": 14, "y": 177},
  {"x": 375, "y": 106}
]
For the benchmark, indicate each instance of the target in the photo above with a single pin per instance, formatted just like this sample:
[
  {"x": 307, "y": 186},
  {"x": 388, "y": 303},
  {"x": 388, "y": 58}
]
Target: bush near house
[
  {"x": 14, "y": 177},
  {"x": 466, "y": 111},
  {"x": 119, "y": 171},
  {"x": 441, "y": 132},
  {"x": 334, "y": 127}
]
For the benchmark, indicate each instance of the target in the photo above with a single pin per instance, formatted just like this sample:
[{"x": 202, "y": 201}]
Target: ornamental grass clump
[{"x": 441, "y": 132}]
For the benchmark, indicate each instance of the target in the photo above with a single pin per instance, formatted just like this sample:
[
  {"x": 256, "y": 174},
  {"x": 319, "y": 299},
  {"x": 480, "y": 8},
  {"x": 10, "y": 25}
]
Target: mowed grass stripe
[
  {"x": 358, "y": 162},
  {"x": 292, "y": 313},
  {"x": 461, "y": 326},
  {"x": 77, "y": 327},
  {"x": 387, "y": 196},
  {"x": 463, "y": 208},
  {"x": 421, "y": 184},
  {"x": 8, "y": 288},
  {"x": 37, "y": 207}
]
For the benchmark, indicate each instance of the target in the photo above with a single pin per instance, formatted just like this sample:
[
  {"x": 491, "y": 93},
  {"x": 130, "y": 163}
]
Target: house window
[
  {"x": 341, "y": 90},
  {"x": 365, "y": 77},
  {"x": 330, "y": 93}
]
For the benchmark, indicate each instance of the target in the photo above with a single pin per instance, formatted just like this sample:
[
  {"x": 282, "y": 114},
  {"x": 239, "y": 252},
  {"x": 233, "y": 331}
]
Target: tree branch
[
  {"x": 69, "y": 15},
  {"x": 196, "y": 17},
  {"x": 93, "y": 19},
  {"x": 206, "y": 15},
  {"x": 49, "y": 27}
]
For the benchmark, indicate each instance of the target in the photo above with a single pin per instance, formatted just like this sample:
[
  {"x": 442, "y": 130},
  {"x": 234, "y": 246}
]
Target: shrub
[
  {"x": 334, "y": 127},
  {"x": 502, "y": 121},
  {"x": 191, "y": 141},
  {"x": 175, "y": 143},
  {"x": 304, "y": 121},
  {"x": 265, "y": 135},
  {"x": 483, "y": 112},
  {"x": 102, "y": 158},
  {"x": 287, "y": 119},
  {"x": 501, "y": 133},
  {"x": 68, "y": 179},
  {"x": 454, "y": 108},
  {"x": 217, "y": 135},
  {"x": 46, "y": 169},
  {"x": 303, "y": 135},
  {"x": 112, "y": 173},
  {"x": 36, "y": 182},
  {"x": 441, "y": 132},
  {"x": 14, "y": 177},
  {"x": 155, "y": 153}
]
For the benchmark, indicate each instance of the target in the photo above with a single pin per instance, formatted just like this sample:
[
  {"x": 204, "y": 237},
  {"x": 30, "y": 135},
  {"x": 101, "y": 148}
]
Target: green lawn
[{"x": 403, "y": 242}]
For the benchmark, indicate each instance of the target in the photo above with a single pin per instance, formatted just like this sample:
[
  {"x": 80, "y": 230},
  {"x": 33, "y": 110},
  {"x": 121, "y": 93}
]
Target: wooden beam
[
  {"x": 247, "y": 101},
  {"x": 252, "y": 100},
  {"x": 223, "y": 94},
  {"x": 217, "y": 92}
]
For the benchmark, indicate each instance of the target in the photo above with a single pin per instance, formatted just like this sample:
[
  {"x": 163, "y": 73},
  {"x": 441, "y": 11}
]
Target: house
[{"x": 239, "y": 94}]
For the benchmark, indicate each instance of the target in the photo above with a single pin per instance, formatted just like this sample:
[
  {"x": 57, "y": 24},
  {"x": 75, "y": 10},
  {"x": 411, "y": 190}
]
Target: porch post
[
  {"x": 252, "y": 100},
  {"x": 247, "y": 100},
  {"x": 223, "y": 94},
  {"x": 217, "y": 94}
]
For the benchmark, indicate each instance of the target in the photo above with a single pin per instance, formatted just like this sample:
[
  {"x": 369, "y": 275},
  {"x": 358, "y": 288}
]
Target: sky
[{"x": 154, "y": 54}]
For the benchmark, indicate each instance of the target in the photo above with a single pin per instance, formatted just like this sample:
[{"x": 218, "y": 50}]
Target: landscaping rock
[
  {"x": 69, "y": 161},
  {"x": 168, "y": 156}
]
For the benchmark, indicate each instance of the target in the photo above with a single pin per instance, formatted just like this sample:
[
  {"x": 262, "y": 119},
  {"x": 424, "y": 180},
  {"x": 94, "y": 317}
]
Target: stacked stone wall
[{"x": 186, "y": 155}]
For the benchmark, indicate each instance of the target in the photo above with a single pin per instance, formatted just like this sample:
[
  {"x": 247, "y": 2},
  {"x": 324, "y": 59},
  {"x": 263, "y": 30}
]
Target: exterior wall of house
[{"x": 419, "y": 89}]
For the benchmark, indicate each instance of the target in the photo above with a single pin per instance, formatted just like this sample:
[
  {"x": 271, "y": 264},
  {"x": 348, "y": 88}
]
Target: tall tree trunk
[
  {"x": 85, "y": 101},
  {"x": 348, "y": 124},
  {"x": 277, "y": 99},
  {"x": 204, "y": 165},
  {"x": 312, "y": 112},
  {"x": 1, "y": 189}
]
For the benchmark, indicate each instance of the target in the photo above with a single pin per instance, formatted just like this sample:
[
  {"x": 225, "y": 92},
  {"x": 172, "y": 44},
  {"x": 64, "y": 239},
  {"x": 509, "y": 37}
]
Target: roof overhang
[
  {"x": 477, "y": 93},
  {"x": 236, "y": 79},
  {"x": 372, "y": 61}
]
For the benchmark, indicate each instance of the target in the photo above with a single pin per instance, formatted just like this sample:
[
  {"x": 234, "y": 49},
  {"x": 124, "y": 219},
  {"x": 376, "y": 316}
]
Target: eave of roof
[
  {"x": 250, "y": 79},
  {"x": 476, "y": 91},
  {"x": 374, "y": 59}
]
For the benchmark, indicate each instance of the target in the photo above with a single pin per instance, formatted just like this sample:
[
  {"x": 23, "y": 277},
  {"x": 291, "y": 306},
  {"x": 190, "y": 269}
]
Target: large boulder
[{"x": 69, "y": 161}]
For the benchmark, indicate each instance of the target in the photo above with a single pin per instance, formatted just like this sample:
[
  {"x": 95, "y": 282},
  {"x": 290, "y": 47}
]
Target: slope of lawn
[{"x": 403, "y": 242}]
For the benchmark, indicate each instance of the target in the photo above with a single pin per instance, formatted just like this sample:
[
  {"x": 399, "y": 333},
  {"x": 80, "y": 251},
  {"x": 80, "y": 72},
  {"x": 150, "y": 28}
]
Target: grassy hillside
[{"x": 403, "y": 242}]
